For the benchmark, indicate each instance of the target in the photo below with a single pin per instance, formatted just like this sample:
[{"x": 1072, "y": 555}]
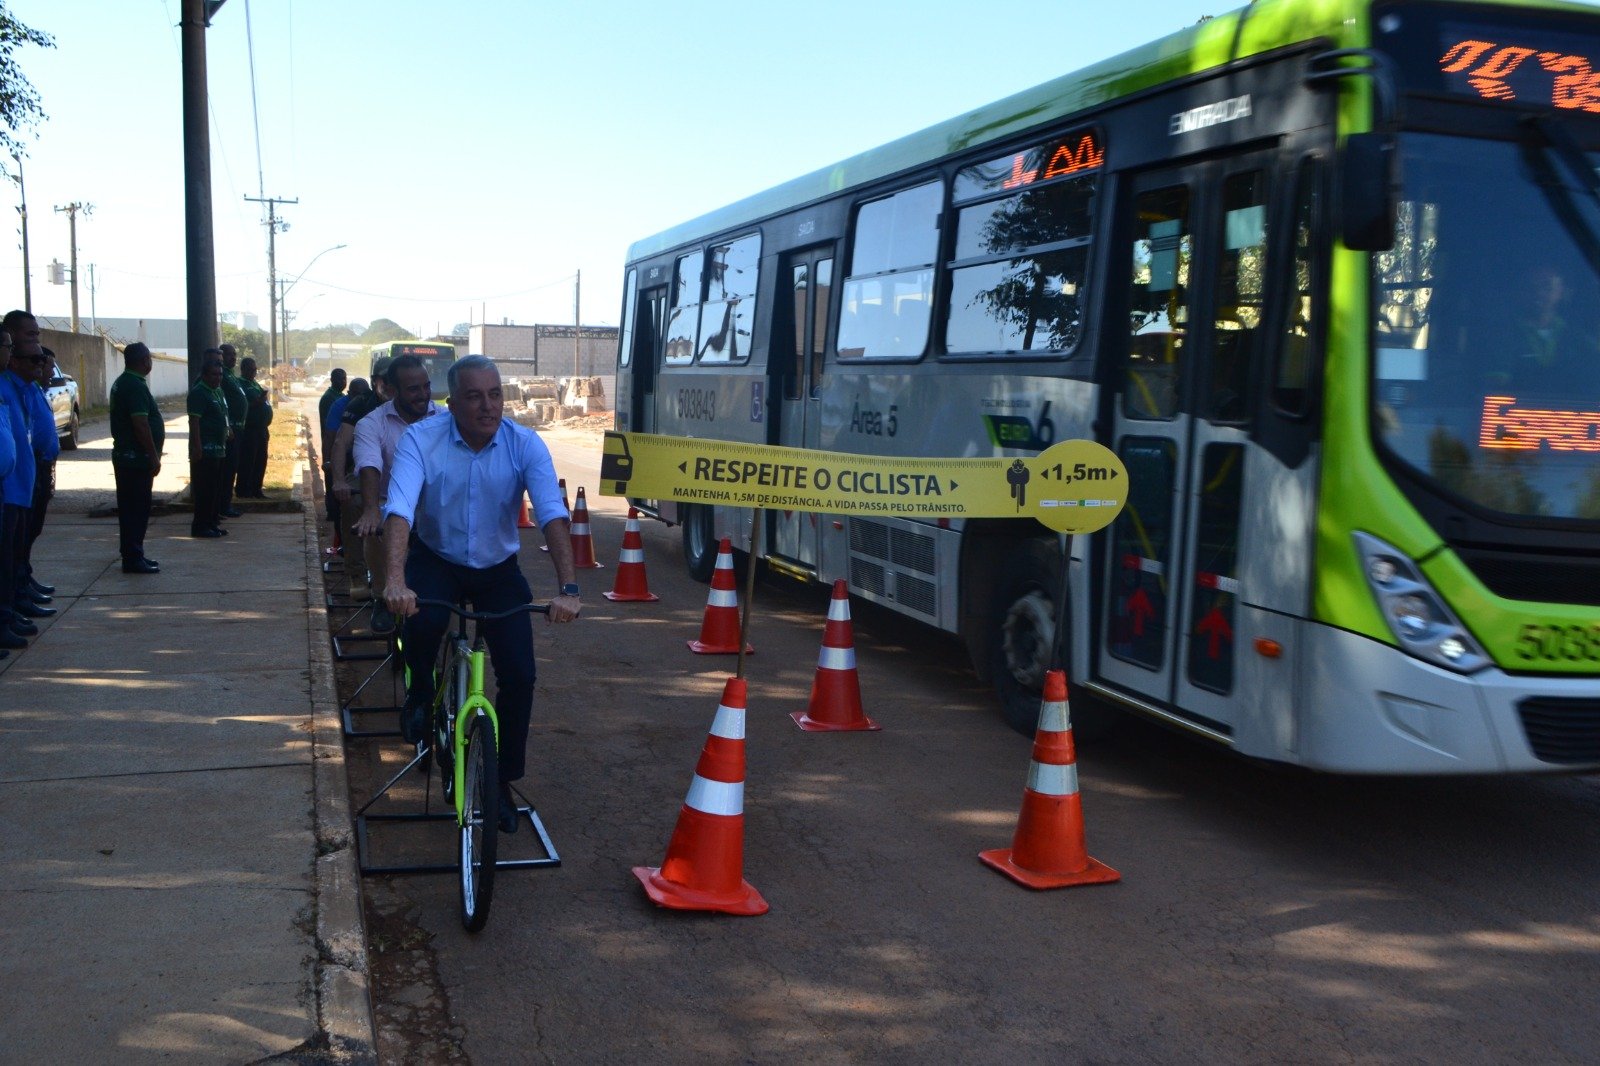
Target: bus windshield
[{"x": 1486, "y": 344}]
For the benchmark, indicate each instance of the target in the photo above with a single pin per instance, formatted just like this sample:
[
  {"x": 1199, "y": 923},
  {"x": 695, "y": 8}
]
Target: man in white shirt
[{"x": 376, "y": 436}]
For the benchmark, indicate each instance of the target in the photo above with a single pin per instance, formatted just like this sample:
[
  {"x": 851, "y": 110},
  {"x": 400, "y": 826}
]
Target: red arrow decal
[
  {"x": 1214, "y": 626},
  {"x": 1140, "y": 609}
]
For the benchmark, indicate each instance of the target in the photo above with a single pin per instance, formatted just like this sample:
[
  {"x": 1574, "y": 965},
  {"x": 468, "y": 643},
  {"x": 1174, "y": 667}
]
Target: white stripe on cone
[{"x": 715, "y": 797}]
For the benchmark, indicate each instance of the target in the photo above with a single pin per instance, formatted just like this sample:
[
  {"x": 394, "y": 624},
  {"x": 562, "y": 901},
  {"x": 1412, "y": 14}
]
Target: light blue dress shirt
[{"x": 464, "y": 504}]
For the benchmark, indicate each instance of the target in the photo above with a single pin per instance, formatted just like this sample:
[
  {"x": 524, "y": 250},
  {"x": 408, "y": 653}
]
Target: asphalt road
[{"x": 1264, "y": 915}]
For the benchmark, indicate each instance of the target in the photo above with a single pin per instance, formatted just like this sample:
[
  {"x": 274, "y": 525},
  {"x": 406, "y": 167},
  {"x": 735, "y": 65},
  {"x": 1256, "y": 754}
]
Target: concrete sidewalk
[{"x": 177, "y": 876}]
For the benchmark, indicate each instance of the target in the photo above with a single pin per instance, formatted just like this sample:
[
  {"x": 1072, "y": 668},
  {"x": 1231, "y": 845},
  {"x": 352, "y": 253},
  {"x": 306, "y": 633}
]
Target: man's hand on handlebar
[
  {"x": 400, "y": 599},
  {"x": 564, "y": 609}
]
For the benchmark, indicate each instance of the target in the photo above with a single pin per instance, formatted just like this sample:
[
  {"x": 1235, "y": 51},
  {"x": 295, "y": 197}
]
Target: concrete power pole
[
  {"x": 577, "y": 321},
  {"x": 200, "y": 251},
  {"x": 71, "y": 211},
  {"x": 22, "y": 209},
  {"x": 275, "y": 225}
]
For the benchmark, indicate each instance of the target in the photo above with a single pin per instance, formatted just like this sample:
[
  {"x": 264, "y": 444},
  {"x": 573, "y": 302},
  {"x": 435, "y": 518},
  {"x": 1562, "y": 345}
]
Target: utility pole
[
  {"x": 200, "y": 253},
  {"x": 275, "y": 225},
  {"x": 71, "y": 211},
  {"x": 577, "y": 320},
  {"x": 22, "y": 209}
]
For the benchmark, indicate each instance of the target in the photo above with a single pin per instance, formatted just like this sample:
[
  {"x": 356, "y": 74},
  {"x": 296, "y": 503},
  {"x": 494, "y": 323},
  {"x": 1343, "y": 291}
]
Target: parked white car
[{"x": 62, "y": 392}]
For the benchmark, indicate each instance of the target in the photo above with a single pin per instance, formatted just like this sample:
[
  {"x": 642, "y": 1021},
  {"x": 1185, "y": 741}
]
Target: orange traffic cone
[
  {"x": 524, "y": 520},
  {"x": 704, "y": 867},
  {"x": 632, "y": 586},
  {"x": 719, "y": 630},
  {"x": 582, "y": 542},
  {"x": 835, "y": 690},
  {"x": 1048, "y": 849}
]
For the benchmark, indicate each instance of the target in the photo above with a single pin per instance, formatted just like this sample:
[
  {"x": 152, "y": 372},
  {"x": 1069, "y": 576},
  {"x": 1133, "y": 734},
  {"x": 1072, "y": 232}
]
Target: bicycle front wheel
[{"x": 480, "y": 821}]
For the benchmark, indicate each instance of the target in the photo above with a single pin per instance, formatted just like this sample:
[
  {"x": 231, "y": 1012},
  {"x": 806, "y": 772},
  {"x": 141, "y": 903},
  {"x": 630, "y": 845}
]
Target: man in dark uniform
[
  {"x": 233, "y": 392},
  {"x": 336, "y": 381},
  {"x": 208, "y": 446},
  {"x": 253, "y": 452},
  {"x": 137, "y": 435}
]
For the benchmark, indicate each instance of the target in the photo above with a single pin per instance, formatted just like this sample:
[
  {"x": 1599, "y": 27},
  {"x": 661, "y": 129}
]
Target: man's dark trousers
[
  {"x": 230, "y": 471},
  {"x": 206, "y": 488},
  {"x": 510, "y": 640},
  {"x": 133, "y": 509},
  {"x": 44, "y": 484},
  {"x": 13, "y": 531}
]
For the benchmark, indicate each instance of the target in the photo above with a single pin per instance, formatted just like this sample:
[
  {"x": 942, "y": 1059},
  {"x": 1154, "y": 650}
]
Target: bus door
[
  {"x": 805, "y": 281},
  {"x": 649, "y": 313},
  {"x": 1193, "y": 258}
]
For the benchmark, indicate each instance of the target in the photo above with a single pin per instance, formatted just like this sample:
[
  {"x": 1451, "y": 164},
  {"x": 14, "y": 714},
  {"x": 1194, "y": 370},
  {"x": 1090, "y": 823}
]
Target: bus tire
[
  {"x": 699, "y": 540},
  {"x": 1021, "y": 640}
]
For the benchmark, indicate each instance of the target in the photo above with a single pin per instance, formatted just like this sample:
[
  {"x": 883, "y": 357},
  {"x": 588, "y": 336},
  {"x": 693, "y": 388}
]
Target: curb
[{"x": 343, "y": 994}]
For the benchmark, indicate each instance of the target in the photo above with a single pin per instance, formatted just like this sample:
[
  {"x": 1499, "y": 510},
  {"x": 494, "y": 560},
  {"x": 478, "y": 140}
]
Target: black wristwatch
[{"x": 571, "y": 589}]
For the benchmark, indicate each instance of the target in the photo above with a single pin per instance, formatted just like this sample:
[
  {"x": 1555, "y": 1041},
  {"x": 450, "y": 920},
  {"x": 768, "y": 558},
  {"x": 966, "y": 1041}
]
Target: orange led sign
[
  {"x": 1555, "y": 78},
  {"x": 1507, "y": 427},
  {"x": 1067, "y": 158},
  {"x": 1078, "y": 152}
]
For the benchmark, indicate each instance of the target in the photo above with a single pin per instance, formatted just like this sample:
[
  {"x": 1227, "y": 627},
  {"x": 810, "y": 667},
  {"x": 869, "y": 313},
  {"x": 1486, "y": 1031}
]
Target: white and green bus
[
  {"x": 1324, "y": 273},
  {"x": 435, "y": 355}
]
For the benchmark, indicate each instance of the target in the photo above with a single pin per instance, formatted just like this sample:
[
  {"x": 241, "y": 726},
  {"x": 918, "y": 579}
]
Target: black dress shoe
[
  {"x": 232, "y": 514},
  {"x": 10, "y": 638},
  {"x": 23, "y": 628},
  {"x": 219, "y": 531},
  {"x": 206, "y": 534},
  {"x": 413, "y": 722},
  {"x": 508, "y": 810},
  {"x": 140, "y": 566},
  {"x": 41, "y": 588},
  {"x": 36, "y": 597},
  {"x": 29, "y": 609}
]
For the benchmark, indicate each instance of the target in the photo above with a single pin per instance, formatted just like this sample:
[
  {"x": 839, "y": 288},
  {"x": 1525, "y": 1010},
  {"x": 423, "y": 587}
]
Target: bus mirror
[{"x": 1369, "y": 181}]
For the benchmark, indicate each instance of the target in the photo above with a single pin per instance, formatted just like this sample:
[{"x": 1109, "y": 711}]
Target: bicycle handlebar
[{"x": 484, "y": 616}]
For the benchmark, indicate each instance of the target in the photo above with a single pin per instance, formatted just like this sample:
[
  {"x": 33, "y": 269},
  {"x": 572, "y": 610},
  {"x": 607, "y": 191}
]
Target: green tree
[
  {"x": 385, "y": 329},
  {"x": 247, "y": 342},
  {"x": 19, "y": 101}
]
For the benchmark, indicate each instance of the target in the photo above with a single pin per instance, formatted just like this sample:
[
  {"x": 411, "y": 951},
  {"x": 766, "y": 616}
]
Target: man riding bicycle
[{"x": 450, "y": 533}]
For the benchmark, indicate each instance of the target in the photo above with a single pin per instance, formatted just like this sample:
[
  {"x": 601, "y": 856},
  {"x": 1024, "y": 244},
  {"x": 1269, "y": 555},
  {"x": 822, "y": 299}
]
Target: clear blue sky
[{"x": 475, "y": 156}]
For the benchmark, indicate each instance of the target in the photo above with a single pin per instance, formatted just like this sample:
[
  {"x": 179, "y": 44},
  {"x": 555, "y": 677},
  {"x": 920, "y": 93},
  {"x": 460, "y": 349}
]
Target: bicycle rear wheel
[{"x": 480, "y": 822}]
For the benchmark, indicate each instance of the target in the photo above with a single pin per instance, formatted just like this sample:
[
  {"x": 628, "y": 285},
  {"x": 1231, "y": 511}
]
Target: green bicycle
[{"x": 465, "y": 738}]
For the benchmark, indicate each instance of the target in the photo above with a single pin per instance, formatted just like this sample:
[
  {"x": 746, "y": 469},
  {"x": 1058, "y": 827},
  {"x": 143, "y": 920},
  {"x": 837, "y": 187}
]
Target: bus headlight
[{"x": 1417, "y": 615}]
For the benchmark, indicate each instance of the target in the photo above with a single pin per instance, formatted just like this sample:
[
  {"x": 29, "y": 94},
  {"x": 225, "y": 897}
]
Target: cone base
[
  {"x": 624, "y": 597},
  {"x": 702, "y": 648},
  {"x": 804, "y": 720},
  {"x": 663, "y": 893},
  {"x": 1096, "y": 873}
]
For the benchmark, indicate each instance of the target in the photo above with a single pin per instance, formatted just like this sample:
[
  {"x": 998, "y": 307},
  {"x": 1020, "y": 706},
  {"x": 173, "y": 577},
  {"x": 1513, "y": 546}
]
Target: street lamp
[{"x": 283, "y": 293}]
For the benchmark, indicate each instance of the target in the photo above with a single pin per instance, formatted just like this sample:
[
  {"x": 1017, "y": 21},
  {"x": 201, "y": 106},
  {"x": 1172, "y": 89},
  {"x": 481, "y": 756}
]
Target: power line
[
  {"x": 447, "y": 300},
  {"x": 255, "y": 107}
]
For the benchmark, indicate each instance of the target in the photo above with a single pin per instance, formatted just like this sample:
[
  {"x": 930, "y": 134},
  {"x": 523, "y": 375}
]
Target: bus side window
[
  {"x": 1163, "y": 251},
  {"x": 1291, "y": 379},
  {"x": 1240, "y": 296},
  {"x": 895, "y": 240},
  {"x": 683, "y": 319}
]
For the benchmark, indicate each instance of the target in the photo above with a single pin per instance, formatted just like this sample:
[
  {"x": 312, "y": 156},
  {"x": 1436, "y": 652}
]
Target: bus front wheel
[
  {"x": 699, "y": 540},
  {"x": 1022, "y": 637}
]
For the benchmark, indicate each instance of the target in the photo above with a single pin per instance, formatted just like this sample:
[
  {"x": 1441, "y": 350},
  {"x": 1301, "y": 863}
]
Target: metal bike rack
[
  {"x": 350, "y": 715},
  {"x": 345, "y": 636},
  {"x": 362, "y": 820}
]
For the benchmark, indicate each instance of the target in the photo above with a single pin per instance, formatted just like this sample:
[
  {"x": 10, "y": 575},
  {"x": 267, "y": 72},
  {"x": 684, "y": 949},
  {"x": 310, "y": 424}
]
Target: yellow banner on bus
[{"x": 1076, "y": 486}]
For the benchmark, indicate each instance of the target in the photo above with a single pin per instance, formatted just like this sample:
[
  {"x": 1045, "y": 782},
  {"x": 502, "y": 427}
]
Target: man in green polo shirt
[
  {"x": 208, "y": 446},
  {"x": 238, "y": 405},
  {"x": 253, "y": 448},
  {"x": 137, "y": 435}
]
